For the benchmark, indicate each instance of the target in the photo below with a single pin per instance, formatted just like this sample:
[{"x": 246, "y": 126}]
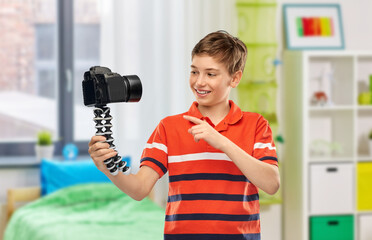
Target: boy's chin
[{"x": 204, "y": 102}]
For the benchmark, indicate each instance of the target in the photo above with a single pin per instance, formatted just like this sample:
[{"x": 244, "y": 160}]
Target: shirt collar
[{"x": 234, "y": 115}]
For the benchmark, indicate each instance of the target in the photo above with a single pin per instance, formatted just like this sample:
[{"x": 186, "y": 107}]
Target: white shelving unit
[{"x": 324, "y": 144}]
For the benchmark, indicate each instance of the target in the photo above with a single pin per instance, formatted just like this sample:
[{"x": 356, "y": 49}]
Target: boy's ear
[{"x": 236, "y": 79}]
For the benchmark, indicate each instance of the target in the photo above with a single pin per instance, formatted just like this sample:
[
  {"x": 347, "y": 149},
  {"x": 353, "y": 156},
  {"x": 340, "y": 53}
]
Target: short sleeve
[
  {"x": 264, "y": 146},
  {"x": 155, "y": 153}
]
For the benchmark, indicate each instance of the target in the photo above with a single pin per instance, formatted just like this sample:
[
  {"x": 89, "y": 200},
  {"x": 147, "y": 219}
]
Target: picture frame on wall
[{"x": 313, "y": 26}]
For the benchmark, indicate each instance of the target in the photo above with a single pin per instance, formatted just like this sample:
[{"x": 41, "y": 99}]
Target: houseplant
[{"x": 44, "y": 147}]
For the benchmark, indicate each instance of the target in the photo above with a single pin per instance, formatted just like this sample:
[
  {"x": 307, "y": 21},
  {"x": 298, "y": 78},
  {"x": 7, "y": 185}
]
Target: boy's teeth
[{"x": 202, "y": 92}]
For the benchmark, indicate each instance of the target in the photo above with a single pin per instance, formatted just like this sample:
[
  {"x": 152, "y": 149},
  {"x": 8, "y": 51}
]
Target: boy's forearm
[
  {"x": 263, "y": 175},
  {"x": 137, "y": 186},
  {"x": 129, "y": 184}
]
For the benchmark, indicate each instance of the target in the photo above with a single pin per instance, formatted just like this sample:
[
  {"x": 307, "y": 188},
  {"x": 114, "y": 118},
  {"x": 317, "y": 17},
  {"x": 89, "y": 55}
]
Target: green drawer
[{"x": 332, "y": 228}]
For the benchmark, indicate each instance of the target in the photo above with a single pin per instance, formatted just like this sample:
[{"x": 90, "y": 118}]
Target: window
[
  {"x": 86, "y": 54},
  {"x": 45, "y": 48},
  {"x": 45, "y": 61}
]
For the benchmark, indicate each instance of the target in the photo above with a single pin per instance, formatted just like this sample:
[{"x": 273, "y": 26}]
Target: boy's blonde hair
[{"x": 224, "y": 47}]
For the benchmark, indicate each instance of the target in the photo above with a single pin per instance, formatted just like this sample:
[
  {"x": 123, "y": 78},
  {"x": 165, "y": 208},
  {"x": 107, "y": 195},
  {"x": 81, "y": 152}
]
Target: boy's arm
[
  {"x": 264, "y": 176},
  {"x": 137, "y": 186}
]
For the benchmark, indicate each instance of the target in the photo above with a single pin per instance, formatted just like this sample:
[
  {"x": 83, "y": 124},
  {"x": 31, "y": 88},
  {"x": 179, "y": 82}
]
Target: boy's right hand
[{"x": 100, "y": 151}]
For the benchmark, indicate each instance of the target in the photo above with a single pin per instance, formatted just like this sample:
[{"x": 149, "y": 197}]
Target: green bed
[{"x": 87, "y": 211}]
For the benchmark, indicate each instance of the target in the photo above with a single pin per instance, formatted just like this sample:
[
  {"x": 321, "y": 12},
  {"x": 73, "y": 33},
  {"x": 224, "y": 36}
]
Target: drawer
[
  {"x": 364, "y": 186},
  {"x": 331, "y": 188},
  {"x": 332, "y": 228},
  {"x": 365, "y": 227}
]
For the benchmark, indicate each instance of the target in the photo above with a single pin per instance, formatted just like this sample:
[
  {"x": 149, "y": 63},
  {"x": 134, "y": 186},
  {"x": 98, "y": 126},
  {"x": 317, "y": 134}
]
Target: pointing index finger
[{"x": 193, "y": 119}]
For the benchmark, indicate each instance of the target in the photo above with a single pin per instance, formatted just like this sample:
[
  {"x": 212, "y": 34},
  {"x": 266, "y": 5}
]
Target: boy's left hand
[{"x": 203, "y": 131}]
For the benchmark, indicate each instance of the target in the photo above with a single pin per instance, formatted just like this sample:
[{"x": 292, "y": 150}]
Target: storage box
[
  {"x": 258, "y": 97},
  {"x": 331, "y": 188},
  {"x": 365, "y": 227},
  {"x": 260, "y": 65},
  {"x": 332, "y": 228},
  {"x": 364, "y": 183},
  {"x": 257, "y": 23}
]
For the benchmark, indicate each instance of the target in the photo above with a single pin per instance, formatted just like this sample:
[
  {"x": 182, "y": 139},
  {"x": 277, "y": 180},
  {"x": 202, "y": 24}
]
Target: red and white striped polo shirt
[{"x": 209, "y": 197}]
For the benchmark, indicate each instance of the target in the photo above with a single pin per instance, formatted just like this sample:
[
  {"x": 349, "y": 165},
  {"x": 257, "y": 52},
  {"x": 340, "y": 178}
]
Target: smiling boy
[{"x": 217, "y": 156}]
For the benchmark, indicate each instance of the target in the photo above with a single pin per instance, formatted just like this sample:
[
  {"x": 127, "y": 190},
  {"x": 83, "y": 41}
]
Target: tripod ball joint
[{"x": 101, "y": 87}]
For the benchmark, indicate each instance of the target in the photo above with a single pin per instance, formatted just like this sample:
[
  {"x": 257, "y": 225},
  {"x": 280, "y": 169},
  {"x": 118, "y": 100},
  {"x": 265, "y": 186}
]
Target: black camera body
[{"x": 101, "y": 86}]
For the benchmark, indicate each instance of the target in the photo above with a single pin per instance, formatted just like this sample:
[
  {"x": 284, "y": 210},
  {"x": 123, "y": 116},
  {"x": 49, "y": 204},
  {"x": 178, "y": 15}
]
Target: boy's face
[{"x": 210, "y": 81}]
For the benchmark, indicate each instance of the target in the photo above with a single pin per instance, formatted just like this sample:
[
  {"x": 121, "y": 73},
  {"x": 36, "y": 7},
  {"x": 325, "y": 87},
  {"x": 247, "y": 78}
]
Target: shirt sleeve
[
  {"x": 155, "y": 153},
  {"x": 264, "y": 147}
]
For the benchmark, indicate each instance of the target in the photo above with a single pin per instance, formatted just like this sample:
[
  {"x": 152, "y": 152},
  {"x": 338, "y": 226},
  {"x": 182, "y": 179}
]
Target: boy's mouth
[{"x": 202, "y": 92}]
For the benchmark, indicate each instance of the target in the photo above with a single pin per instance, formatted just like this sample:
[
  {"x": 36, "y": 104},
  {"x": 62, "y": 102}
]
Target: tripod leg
[{"x": 114, "y": 164}]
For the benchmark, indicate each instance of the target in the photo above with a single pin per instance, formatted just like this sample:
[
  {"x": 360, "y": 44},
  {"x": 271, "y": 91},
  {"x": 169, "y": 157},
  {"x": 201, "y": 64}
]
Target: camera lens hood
[{"x": 135, "y": 88}]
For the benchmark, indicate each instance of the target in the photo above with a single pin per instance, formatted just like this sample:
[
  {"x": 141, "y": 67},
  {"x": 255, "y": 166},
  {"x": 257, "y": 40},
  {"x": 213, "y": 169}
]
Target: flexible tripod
[{"x": 114, "y": 164}]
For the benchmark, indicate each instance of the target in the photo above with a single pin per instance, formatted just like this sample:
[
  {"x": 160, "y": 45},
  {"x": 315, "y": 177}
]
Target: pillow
[{"x": 59, "y": 174}]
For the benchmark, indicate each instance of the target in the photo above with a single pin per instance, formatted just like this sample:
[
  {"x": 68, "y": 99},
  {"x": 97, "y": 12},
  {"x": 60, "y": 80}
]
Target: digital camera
[{"x": 101, "y": 86}]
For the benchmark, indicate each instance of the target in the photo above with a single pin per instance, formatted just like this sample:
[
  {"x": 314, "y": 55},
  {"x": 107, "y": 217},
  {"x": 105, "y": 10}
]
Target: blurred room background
[{"x": 47, "y": 45}]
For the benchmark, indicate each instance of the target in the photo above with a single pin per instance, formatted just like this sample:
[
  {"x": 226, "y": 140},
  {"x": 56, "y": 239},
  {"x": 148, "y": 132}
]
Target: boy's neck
[{"x": 215, "y": 113}]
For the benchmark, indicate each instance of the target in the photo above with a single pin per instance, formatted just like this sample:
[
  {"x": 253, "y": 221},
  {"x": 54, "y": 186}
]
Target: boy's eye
[
  {"x": 193, "y": 72},
  {"x": 211, "y": 74}
]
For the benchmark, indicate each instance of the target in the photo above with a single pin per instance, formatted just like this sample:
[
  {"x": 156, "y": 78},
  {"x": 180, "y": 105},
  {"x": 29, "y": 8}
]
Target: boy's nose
[{"x": 200, "y": 81}]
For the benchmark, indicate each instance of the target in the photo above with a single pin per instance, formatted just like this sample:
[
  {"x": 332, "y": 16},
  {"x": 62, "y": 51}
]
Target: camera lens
[{"x": 134, "y": 88}]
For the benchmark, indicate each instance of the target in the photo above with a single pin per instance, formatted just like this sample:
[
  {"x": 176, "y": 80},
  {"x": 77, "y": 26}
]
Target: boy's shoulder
[
  {"x": 252, "y": 116},
  {"x": 173, "y": 119},
  {"x": 247, "y": 117}
]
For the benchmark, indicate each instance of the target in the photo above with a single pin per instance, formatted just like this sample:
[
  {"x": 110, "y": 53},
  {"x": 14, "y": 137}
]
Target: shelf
[
  {"x": 330, "y": 160},
  {"x": 364, "y": 107},
  {"x": 326, "y": 130},
  {"x": 331, "y": 214},
  {"x": 366, "y": 212},
  {"x": 365, "y": 158},
  {"x": 363, "y": 128},
  {"x": 331, "y": 76},
  {"x": 328, "y": 136},
  {"x": 332, "y": 108},
  {"x": 341, "y": 108}
]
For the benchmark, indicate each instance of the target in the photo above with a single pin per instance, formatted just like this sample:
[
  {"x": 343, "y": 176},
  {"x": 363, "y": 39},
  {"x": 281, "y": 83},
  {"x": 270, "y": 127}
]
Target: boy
[{"x": 217, "y": 156}]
